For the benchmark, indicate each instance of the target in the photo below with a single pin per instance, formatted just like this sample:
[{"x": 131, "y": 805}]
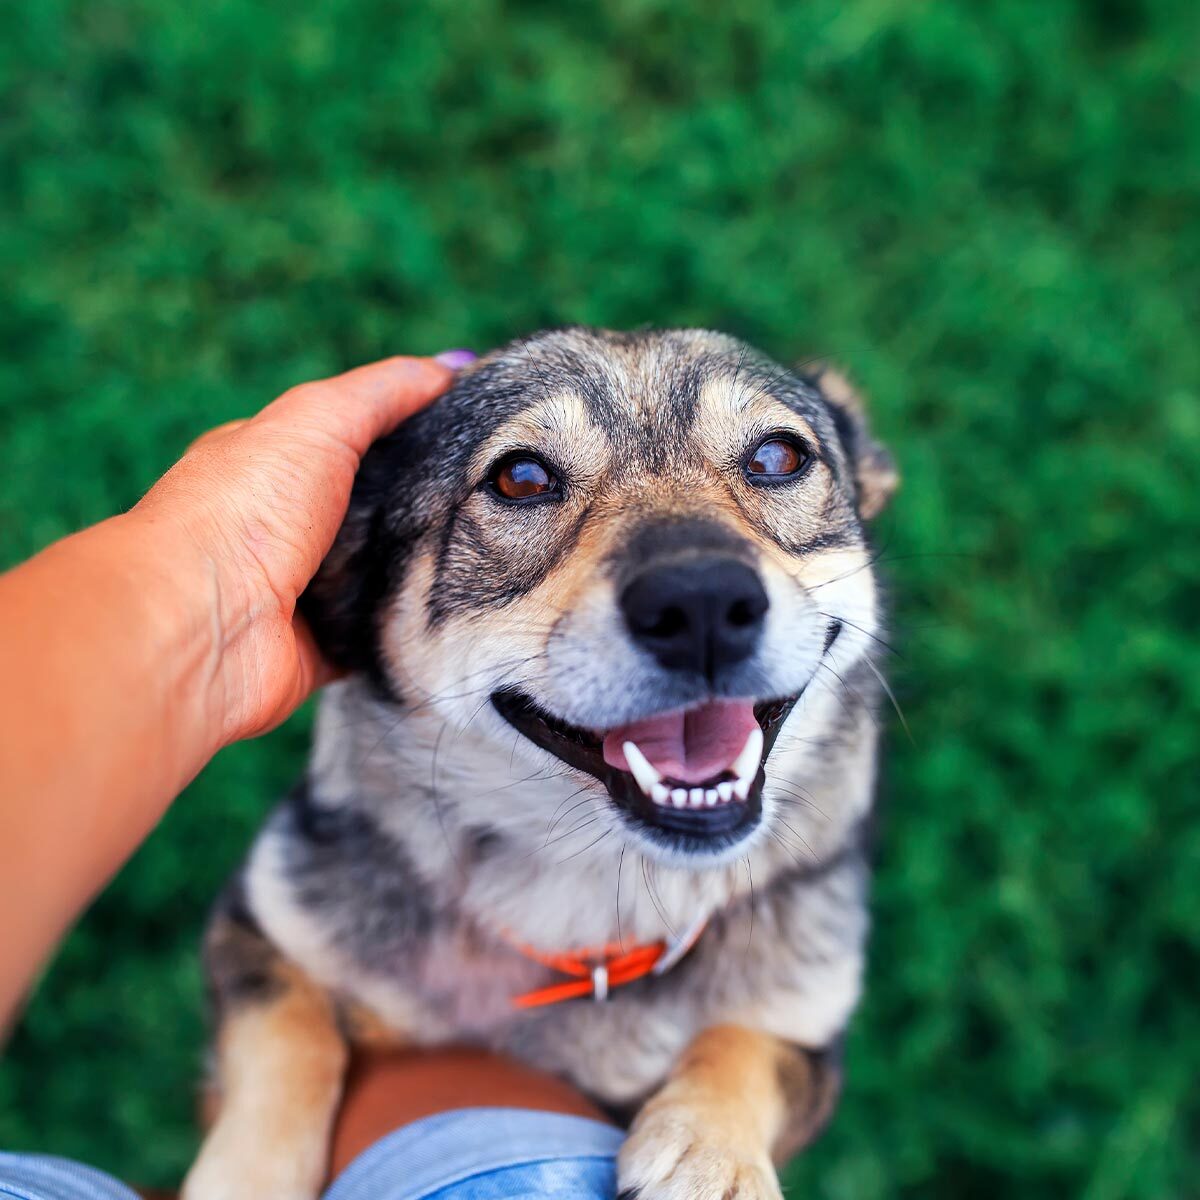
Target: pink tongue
[{"x": 689, "y": 746}]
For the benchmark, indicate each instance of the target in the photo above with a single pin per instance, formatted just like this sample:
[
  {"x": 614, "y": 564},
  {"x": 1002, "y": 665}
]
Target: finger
[{"x": 363, "y": 404}]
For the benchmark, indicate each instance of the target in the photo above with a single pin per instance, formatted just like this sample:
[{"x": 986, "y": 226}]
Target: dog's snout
[{"x": 698, "y": 616}]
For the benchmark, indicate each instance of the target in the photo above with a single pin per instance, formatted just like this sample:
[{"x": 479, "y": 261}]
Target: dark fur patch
[
  {"x": 361, "y": 881},
  {"x": 471, "y": 576},
  {"x": 669, "y": 538},
  {"x": 811, "y": 1082},
  {"x": 412, "y": 483},
  {"x": 242, "y": 966}
]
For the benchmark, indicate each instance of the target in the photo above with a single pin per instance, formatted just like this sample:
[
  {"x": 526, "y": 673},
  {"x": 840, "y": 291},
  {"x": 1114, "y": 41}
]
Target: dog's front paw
[
  {"x": 244, "y": 1168},
  {"x": 679, "y": 1152}
]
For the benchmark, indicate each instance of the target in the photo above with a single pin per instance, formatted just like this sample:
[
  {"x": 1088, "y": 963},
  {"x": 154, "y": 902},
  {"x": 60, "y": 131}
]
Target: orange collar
[{"x": 594, "y": 971}]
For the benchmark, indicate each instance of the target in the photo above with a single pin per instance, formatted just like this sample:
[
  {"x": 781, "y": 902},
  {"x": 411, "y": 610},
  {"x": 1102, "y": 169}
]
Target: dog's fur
[{"x": 381, "y": 901}]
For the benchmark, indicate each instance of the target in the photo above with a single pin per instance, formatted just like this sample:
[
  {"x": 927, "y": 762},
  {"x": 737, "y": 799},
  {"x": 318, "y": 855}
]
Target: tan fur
[
  {"x": 709, "y": 1133},
  {"x": 875, "y": 470},
  {"x": 731, "y": 1046},
  {"x": 280, "y": 1067}
]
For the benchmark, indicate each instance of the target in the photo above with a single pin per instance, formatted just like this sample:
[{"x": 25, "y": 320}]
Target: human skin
[
  {"x": 135, "y": 650},
  {"x": 385, "y": 1091}
]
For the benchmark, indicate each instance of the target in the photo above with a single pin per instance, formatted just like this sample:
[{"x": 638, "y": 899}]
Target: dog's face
[{"x": 628, "y": 554}]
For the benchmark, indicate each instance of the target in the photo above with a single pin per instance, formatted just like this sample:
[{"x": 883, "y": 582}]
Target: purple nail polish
[{"x": 455, "y": 359}]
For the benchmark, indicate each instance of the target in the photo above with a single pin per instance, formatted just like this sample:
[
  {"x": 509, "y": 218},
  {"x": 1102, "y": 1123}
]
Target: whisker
[
  {"x": 803, "y": 842},
  {"x": 787, "y": 849},
  {"x": 865, "y": 632},
  {"x": 556, "y": 820},
  {"x": 750, "y": 877},
  {"x": 436, "y": 797},
  {"x": 857, "y": 696},
  {"x": 883, "y": 683},
  {"x": 586, "y": 848},
  {"x": 620, "y": 868},
  {"x": 652, "y": 891},
  {"x": 562, "y": 837},
  {"x": 538, "y": 776},
  {"x": 799, "y": 798}
]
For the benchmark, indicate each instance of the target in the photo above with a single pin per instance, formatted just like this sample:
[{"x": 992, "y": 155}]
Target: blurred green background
[{"x": 988, "y": 211}]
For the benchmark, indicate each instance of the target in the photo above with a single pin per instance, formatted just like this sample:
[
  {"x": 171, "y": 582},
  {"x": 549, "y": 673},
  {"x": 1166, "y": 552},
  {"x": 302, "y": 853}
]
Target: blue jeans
[{"x": 469, "y": 1154}]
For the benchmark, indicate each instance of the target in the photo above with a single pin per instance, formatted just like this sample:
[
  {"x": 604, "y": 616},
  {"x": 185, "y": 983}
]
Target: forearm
[
  {"x": 104, "y": 717},
  {"x": 132, "y": 652}
]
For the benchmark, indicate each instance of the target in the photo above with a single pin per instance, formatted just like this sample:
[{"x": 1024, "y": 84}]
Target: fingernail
[{"x": 455, "y": 359}]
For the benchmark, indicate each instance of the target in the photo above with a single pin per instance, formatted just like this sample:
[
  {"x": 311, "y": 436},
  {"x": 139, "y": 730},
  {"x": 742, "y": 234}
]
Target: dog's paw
[
  {"x": 676, "y": 1152},
  {"x": 243, "y": 1169}
]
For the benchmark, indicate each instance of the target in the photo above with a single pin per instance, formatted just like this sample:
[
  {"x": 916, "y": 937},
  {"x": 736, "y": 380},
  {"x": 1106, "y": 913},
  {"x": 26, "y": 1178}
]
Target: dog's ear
[
  {"x": 342, "y": 601},
  {"x": 875, "y": 474}
]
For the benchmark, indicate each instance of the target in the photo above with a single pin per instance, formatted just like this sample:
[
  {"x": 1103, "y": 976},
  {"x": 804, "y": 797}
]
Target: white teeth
[
  {"x": 745, "y": 766},
  {"x": 640, "y": 767}
]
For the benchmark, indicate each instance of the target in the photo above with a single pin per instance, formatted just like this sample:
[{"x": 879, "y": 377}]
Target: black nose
[{"x": 698, "y": 616}]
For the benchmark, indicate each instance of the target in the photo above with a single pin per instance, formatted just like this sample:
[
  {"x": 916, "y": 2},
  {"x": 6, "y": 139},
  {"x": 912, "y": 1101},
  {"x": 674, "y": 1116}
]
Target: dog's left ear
[{"x": 875, "y": 474}]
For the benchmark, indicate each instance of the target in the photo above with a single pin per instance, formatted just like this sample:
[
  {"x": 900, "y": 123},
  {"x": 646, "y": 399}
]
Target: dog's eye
[
  {"x": 774, "y": 459},
  {"x": 523, "y": 477}
]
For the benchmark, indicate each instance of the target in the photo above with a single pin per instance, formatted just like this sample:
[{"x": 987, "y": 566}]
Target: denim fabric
[
  {"x": 470, "y": 1154},
  {"x": 36, "y": 1177},
  {"x": 487, "y": 1154}
]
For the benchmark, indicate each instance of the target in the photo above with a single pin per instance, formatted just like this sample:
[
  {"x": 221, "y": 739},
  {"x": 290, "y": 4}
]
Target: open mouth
[{"x": 693, "y": 778}]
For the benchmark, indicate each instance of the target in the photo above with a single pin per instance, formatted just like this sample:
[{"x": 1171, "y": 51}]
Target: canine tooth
[
  {"x": 697, "y": 797},
  {"x": 711, "y": 797},
  {"x": 679, "y": 797},
  {"x": 660, "y": 793},
  {"x": 745, "y": 766},
  {"x": 741, "y": 789},
  {"x": 640, "y": 767},
  {"x": 725, "y": 791}
]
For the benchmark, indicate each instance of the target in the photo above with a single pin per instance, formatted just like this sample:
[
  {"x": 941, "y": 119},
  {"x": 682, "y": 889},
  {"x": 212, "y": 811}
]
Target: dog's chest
[
  {"x": 616, "y": 1050},
  {"x": 469, "y": 987}
]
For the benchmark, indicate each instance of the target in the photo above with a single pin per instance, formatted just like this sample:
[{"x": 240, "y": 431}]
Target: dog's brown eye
[
  {"x": 523, "y": 478},
  {"x": 776, "y": 458}
]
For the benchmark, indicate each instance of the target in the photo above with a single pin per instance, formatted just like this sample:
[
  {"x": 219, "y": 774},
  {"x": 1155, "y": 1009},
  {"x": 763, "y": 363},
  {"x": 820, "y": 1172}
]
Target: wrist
[{"x": 172, "y": 597}]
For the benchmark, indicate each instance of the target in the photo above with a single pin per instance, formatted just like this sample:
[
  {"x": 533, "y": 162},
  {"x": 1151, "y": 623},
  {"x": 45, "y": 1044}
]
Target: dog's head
[{"x": 626, "y": 553}]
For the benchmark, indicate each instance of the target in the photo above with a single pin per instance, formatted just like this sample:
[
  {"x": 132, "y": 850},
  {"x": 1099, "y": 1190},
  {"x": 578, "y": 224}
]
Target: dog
[{"x": 595, "y": 785}]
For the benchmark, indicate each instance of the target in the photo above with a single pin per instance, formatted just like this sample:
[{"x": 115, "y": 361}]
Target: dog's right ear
[
  {"x": 342, "y": 602},
  {"x": 392, "y": 505}
]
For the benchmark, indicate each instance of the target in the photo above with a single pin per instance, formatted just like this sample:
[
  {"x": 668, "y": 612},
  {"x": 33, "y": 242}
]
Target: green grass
[{"x": 989, "y": 212}]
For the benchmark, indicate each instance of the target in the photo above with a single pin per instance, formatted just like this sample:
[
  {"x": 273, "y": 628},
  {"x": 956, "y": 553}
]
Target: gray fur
[{"x": 429, "y": 835}]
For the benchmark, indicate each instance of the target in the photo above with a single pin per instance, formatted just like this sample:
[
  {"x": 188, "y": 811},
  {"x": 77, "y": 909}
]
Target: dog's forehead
[{"x": 640, "y": 390}]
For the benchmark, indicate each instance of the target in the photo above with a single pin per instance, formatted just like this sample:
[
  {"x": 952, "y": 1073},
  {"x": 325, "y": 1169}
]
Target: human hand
[
  {"x": 247, "y": 515},
  {"x": 135, "y": 649}
]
